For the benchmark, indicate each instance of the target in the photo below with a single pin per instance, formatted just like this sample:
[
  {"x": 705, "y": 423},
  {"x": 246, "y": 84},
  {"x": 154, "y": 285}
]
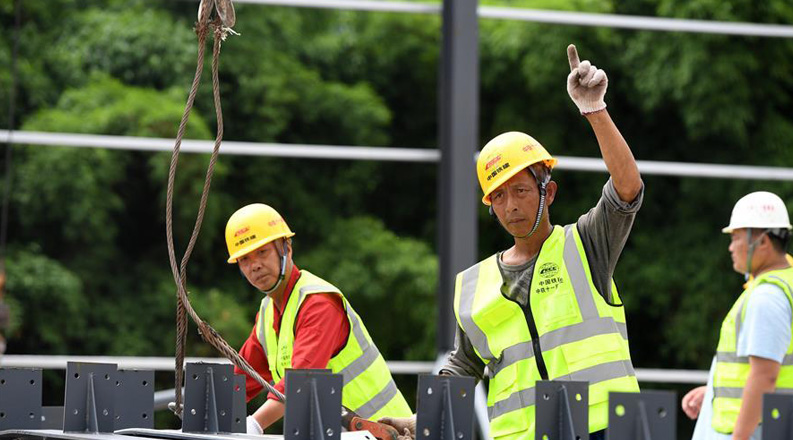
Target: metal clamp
[
  {"x": 90, "y": 397},
  {"x": 649, "y": 415},
  {"x": 562, "y": 410},
  {"x": 313, "y": 405},
  {"x": 223, "y": 8},
  {"x": 208, "y": 398},
  {"x": 445, "y": 408}
]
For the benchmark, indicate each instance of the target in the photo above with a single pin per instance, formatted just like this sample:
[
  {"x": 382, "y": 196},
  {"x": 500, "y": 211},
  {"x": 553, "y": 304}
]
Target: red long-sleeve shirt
[{"x": 321, "y": 331}]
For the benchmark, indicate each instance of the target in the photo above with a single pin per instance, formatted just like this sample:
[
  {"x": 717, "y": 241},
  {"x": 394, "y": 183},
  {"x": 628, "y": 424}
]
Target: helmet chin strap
[
  {"x": 282, "y": 273},
  {"x": 752, "y": 245}
]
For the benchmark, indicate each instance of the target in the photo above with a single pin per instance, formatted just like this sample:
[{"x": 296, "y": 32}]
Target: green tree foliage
[
  {"x": 50, "y": 314},
  {"x": 373, "y": 266},
  {"x": 109, "y": 40}
]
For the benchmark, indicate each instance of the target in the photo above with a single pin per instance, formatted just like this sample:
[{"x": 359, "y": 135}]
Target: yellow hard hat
[
  {"x": 505, "y": 156},
  {"x": 254, "y": 226}
]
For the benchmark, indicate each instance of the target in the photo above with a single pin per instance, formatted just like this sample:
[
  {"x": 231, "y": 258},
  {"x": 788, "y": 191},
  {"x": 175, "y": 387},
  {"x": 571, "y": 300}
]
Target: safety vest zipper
[{"x": 535, "y": 340}]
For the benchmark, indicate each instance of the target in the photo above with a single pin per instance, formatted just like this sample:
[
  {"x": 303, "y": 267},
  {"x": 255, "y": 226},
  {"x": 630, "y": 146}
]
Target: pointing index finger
[{"x": 572, "y": 57}]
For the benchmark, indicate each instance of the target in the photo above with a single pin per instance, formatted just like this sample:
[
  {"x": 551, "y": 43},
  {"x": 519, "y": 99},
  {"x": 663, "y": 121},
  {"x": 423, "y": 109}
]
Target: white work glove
[
  {"x": 253, "y": 427},
  {"x": 586, "y": 84}
]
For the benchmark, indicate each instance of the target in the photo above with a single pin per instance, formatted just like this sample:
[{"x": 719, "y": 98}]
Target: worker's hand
[
  {"x": 692, "y": 402},
  {"x": 406, "y": 435},
  {"x": 253, "y": 427},
  {"x": 586, "y": 84},
  {"x": 405, "y": 425}
]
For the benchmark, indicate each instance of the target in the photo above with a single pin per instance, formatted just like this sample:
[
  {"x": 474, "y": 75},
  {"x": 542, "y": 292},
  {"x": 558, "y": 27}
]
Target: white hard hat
[{"x": 762, "y": 210}]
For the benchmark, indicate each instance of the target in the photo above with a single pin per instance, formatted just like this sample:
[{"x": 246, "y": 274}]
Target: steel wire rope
[{"x": 184, "y": 308}]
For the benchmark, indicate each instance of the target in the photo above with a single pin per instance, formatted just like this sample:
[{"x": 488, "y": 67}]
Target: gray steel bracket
[
  {"x": 90, "y": 397},
  {"x": 239, "y": 409},
  {"x": 313, "y": 405},
  {"x": 649, "y": 415},
  {"x": 208, "y": 398},
  {"x": 445, "y": 408},
  {"x": 52, "y": 417},
  {"x": 562, "y": 410},
  {"x": 20, "y": 398},
  {"x": 777, "y": 416},
  {"x": 134, "y": 399}
]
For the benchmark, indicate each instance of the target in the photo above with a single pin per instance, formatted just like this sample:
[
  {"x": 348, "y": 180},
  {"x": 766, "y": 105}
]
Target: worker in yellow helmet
[
  {"x": 547, "y": 308},
  {"x": 755, "y": 351},
  {"x": 303, "y": 322}
]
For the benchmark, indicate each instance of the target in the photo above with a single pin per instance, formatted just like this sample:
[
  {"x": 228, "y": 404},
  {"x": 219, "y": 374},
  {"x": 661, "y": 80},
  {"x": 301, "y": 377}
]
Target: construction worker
[
  {"x": 754, "y": 352},
  {"x": 547, "y": 308},
  {"x": 303, "y": 322}
]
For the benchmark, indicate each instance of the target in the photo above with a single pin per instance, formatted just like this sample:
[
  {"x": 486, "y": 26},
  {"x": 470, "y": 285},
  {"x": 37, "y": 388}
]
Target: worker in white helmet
[{"x": 755, "y": 354}]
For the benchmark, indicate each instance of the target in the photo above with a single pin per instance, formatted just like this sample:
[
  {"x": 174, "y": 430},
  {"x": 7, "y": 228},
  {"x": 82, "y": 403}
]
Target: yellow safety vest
[
  {"x": 580, "y": 336},
  {"x": 369, "y": 389},
  {"x": 732, "y": 371}
]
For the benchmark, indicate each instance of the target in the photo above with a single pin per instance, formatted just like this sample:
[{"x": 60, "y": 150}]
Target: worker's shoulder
[
  {"x": 315, "y": 284},
  {"x": 768, "y": 297},
  {"x": 322, "y": 298},
  {"x": 473, "y": 270}
]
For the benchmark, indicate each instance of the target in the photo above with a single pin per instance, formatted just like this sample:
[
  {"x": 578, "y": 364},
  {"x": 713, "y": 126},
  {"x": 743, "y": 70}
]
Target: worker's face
[
  {"x": 738, "y": 250},
  {"x": 515, "y": 202},
  {"x": 262, "y": 267}
]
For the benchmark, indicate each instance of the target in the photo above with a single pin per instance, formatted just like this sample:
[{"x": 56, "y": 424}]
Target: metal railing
[
  {"x": 53, "y": 362},
  {"x": 333, "y": 152},
  {"x": 568, "y": 18}
]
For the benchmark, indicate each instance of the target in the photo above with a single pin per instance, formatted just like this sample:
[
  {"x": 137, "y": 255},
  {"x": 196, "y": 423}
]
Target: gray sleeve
[
  {"x": 463, "y": 360},
  {"x": 604, "y": 231}
]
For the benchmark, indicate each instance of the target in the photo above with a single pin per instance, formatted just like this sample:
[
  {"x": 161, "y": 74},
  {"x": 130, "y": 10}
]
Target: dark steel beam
[{"x": 459, "y": 138}]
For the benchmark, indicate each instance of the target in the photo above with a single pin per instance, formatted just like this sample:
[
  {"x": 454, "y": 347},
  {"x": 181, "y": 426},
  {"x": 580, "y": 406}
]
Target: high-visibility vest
[
  {"x": 368, "y": 389},
  {"x": 579, "y": 335},
  {"x": 732, "y": 371}
]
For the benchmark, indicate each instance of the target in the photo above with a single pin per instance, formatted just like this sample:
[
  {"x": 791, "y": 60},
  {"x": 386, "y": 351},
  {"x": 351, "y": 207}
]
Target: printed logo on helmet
[
  {"x": 242, "y": 231},
  {"x": 245, "y": 240},
  {"x": 275, "y": 222},
  {"x": 492, "y": 162},
  {"x": 528, "y": 147},
  {"x": 495, "y": 172}
]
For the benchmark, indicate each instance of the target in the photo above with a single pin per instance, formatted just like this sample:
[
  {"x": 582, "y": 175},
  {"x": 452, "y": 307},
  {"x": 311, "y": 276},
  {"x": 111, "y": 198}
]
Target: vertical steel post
[{"x": 459, "y": 139}]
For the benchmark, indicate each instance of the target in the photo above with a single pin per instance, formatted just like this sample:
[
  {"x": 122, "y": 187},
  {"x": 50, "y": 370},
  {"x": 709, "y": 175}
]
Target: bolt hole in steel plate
[
  {"x": 103, "y": 383},
  {"x": 435, "y": 395},
  {"x": 626, "y": 419},
  {"x": 20, "y": 397},
  {"x": 777, "y": 416},
  {"x": 301, "y": 406},
  {"x": 134, "y": 399}
]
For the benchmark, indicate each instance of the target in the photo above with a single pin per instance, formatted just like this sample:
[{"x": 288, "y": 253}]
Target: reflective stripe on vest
[
  {"x": 368, "y": 389},
  {"x": 732, "y": 371},
  {"x": 581, "y": 336},
  {"x": 260, "y": 323}
]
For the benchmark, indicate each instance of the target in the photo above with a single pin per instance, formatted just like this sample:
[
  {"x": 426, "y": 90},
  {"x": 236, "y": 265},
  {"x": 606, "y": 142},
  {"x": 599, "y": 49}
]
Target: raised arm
[{"x": 587, "y": 86}]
